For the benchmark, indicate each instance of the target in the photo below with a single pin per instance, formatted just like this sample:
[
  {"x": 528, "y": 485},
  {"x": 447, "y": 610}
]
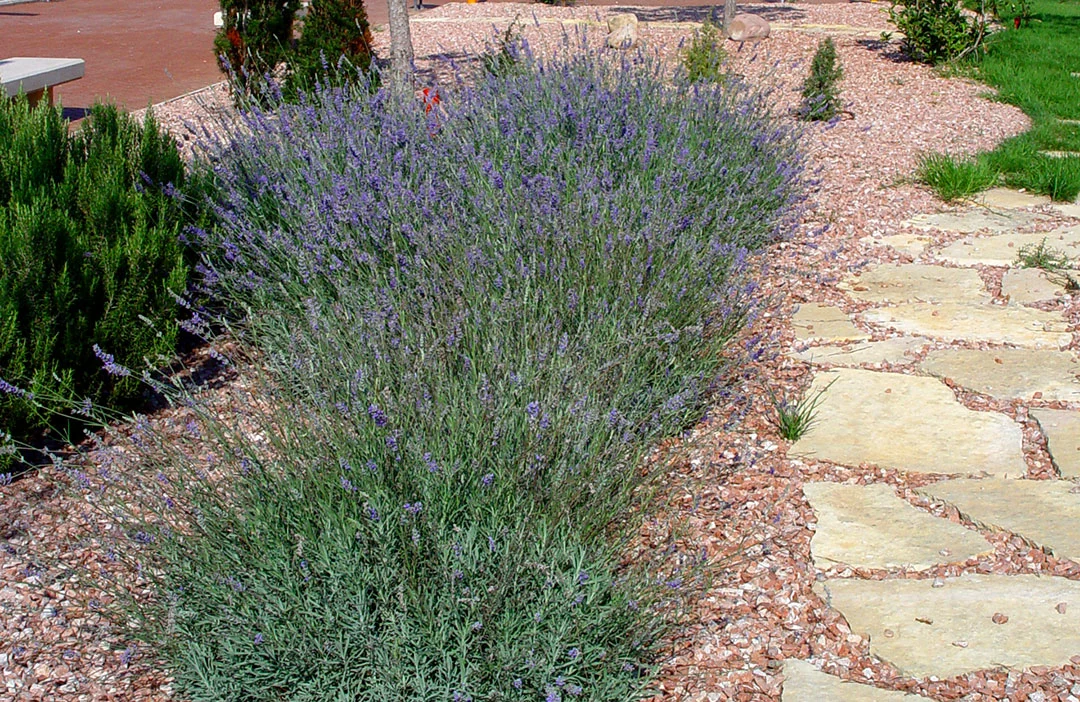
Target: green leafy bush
[
  {"x": 821, "y": 90},
  {"x": 704, "y": 58},
  {"x": 936, "y": 31},
  {"x": 1010, "y": 12},
  {"x": 89, "y": 245}
]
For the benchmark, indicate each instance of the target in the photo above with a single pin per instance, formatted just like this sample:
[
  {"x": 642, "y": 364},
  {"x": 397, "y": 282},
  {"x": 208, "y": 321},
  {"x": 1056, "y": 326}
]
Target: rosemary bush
[
  {"x": 471, "y": 321},
  {"x": 89, "y": 227}
]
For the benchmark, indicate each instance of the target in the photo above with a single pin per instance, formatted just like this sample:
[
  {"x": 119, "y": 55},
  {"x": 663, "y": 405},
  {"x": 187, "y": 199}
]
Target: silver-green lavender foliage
[{"x": 473, "y": 321}]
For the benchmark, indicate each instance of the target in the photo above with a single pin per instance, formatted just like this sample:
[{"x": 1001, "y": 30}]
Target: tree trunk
[
  {"x": 401, "y": 48},
  {"x": 729, "y": 15}
]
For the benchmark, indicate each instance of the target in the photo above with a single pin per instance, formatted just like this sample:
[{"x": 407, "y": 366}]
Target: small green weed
[
  {"x": 1054, "y": 261},
  {"x": 794, "y": 419},
  {"x": 952, "y": 178},
  {"x": 704, "y": 58},
  {"x": 1042, "y": 256}
]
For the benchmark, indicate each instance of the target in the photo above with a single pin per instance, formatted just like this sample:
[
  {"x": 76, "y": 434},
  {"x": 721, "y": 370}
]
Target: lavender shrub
[{"x": 472, "y": 321}]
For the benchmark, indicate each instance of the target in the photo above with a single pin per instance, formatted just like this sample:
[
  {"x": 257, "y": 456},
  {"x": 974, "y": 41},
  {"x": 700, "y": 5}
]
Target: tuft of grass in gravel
[
  {"x": 952, "y": 178},
  {"x": 794, "y": 418}
]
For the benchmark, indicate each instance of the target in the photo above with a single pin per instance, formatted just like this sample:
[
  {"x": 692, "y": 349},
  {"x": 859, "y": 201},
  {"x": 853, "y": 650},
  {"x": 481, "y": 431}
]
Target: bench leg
[{"x": 36, "y": 96}]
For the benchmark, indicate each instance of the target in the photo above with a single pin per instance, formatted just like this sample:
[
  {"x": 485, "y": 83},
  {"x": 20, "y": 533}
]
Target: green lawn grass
[{"x": 1031, "y": 67}]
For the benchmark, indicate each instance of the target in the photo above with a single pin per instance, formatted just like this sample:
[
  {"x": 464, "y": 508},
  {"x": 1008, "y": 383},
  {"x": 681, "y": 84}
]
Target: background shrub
[
  {"x": 471, "y": 323},
  {"x": 821, "y": 90},
  {"x": 935, "y": 31},
  {"x": 89, "y": 245},
  {"x": 331, "y": 31},
  {"x": 255, "y": 39},
  {"x": 704, "y": 58}
]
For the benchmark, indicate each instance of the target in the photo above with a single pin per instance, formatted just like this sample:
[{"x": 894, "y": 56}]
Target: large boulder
[
  {"x": 746, "y": 27},
  {"x": 622, "y": 31}
]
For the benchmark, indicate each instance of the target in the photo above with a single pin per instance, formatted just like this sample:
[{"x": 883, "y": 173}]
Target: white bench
[{"x": 37, "y": 76}]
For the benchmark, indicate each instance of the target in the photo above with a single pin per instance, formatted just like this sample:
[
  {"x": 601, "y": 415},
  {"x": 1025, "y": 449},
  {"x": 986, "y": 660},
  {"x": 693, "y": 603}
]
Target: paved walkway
[{"x": 930, "y": 417}]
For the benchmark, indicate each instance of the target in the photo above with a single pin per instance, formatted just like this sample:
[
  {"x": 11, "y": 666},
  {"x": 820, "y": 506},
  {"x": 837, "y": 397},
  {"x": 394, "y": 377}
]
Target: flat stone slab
[
  {"x": 868, "y": 526},
  {"x": 1009, "y": 199},
  {"x": 975, "y": 220},
  {"x": 1011, "y": 374},
  {"x": 1045, "y": 512},
  {"x": 1068, "y": 209},
  {"x": 917, "y": 282},
  {"x": 1002, "y": 249},
  {"x": 950, "y": 630},
  {"x": 1022, "y": 326},
  {"x": 909, "y": 244},
  {"x": 817, "y": 322},
  {"x": 857, "y": 353},
  {"x": 1062, "y": 431},
  {"x": 805, "y": 683},
  {"x": 910, "y": 423},
  {"x": 1026, "y": 285},
  {"x": 1061, "y": 154}
]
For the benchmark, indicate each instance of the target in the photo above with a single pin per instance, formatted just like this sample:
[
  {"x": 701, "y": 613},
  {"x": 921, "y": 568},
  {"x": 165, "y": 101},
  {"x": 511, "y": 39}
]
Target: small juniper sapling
[{"x": 821, "y": 91}]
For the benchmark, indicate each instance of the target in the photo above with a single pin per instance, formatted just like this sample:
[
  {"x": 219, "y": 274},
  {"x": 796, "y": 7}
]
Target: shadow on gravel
[
  {"x": 886, "y": 49},
  {"x": 700, "y": 13}
]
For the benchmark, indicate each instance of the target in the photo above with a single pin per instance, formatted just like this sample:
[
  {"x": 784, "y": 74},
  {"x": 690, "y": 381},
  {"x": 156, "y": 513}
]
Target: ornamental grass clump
[
  {"x": 467, "y": 325},
  {"x": 954, "y": 177}
]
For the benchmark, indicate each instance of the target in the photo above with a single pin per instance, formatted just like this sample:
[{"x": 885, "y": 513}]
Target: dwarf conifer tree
[{"x": 821, "y": 91}]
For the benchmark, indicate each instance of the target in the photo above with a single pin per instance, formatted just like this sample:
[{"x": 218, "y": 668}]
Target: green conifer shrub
[
  {"x": 256, "y": 38},
  {"x": 821, "y": 91},
  {"x": 332, "y": 30},
  {"x": 704, "y": 58}
]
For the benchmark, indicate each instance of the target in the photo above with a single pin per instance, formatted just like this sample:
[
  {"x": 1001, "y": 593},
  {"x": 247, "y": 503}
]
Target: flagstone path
[{"x": 956, "y": 333}]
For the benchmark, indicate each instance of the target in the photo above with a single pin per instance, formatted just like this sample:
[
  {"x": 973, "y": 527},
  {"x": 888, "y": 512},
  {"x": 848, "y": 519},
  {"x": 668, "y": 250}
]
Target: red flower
[{"x": 431, "y": 98}]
